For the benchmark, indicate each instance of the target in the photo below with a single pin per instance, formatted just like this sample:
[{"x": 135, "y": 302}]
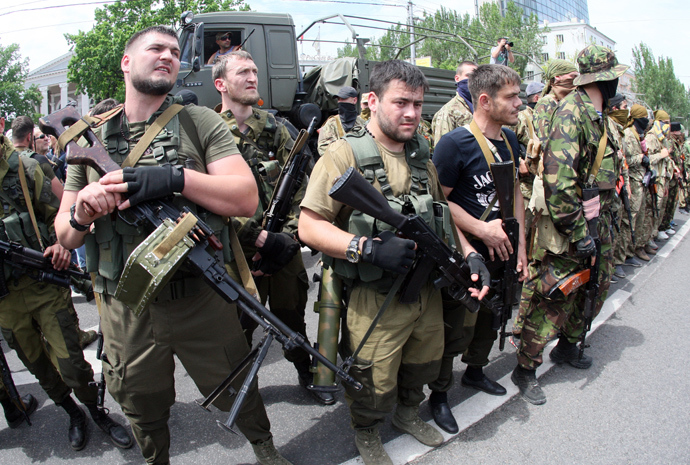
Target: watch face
[{"x": 352, "y": 256}]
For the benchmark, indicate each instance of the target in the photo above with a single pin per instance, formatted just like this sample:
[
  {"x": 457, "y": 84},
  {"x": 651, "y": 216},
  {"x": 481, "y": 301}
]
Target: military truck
[{"x": 272, "y": 42}]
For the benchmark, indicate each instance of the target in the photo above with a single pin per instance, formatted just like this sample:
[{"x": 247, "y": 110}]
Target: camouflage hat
[{"x": 598, "y": 63}]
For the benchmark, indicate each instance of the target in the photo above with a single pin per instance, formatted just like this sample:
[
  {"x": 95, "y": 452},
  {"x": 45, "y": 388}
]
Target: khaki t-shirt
[
  {"x": 213, "y": 133},
  {"x": 337, "y": 159}
]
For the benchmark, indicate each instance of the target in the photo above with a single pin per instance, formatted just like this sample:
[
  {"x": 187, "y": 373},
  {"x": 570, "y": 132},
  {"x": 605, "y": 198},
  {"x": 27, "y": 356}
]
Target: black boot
[
  {"x": 306, "y": 378},
  {"x": 77, "y": 423},
  {"x": 474, "y": 377},
  {"x": 568, "y": 352},
  {"x": 118, "y": 434},
  {"x": 13, "y": 415},
  {"x": 440, "y": 410}
]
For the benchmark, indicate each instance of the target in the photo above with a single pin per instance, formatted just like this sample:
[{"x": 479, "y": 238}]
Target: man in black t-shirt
[{"x": 467, "y": 182}]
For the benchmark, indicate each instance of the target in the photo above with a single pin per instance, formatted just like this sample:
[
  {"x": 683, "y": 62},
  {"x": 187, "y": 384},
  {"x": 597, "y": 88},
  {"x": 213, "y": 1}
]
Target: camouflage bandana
[
  {"x": 660, "y": 129},
  {"x": 598, "y": 63}
]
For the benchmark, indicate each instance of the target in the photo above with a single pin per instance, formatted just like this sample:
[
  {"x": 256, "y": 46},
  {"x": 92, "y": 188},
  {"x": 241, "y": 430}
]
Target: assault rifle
[
  {"x": 506, "y": 286},
  {"x": 592, "y": 287},
  {"x": 33, "y": 263},
  {"x": 100, "y": 385},
  {"x": 626, "y": 204},
  {"x": 11, "y": 387},
  {"x": 432, "y": 253},
  {"x": 199, "y": 260},
  {"x": 649, "y": 181}
]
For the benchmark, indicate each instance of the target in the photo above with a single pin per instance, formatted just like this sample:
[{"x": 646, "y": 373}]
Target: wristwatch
[
  {"x": 73, "y": 222},
  {"x": 352, "y": 253}
]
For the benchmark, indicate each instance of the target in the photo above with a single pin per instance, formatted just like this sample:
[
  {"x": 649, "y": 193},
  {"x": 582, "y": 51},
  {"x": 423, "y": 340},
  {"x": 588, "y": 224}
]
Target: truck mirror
[
  {"x": 196, "y": 64},
  {"x": 198, "y": 40}
]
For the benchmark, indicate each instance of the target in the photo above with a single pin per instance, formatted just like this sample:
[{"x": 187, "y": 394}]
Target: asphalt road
[{"x": 630, "y": 407}]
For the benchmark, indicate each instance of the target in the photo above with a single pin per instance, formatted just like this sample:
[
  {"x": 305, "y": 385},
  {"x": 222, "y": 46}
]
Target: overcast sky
[{"x": 662, "y": 24}]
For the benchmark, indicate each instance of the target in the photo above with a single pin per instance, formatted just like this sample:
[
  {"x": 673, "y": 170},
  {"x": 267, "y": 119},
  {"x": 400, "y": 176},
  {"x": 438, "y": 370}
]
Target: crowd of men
[{"x": 575, "y": 153}]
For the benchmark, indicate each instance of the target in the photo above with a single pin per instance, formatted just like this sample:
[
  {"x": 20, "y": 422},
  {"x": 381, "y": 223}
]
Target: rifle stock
[
  {"x": 592, "y": 287},
  {"x": 199, "y": 261},
  {"x": 11, "y": 387},
  {"x": 353, "y": 190}
]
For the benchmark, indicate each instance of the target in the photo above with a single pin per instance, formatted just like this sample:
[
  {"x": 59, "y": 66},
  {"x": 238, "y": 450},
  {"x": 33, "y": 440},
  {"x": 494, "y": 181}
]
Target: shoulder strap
[
  {"x": 86, "y": 122},
  {"x": 530, "y": 128},
  {"x": 190, "y": 129},
  {"x": 151, "y": 134},
  {"x": 339, "y": 124},
  {"x": 29, "y": 203},
  {"x": 488, "y": 149},
  {"x": 600, "y": 156}
]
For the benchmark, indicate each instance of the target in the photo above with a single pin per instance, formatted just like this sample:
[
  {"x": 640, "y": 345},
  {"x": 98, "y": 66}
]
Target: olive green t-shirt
[
  {"x": 213, "y": 133},
  {"x": 337, "y": 159}
]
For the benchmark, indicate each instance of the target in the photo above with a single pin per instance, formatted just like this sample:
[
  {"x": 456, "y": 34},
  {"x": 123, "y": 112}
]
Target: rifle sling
[
  {"x": 84, "y": 124},
  {"x": 591, "y": 177},
  {"x": 242, "y": 265},
  {"x": 29, "y": 203},
  {"x": 151, "y": 134}
]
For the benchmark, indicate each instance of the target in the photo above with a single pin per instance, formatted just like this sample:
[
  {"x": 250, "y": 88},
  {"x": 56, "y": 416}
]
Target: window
[
  {"x": 544, "y": 57},
  {"x": 559, "y": 38},
  {"x": 529, "y": 76},
  {"x": 561, "y": 55}
]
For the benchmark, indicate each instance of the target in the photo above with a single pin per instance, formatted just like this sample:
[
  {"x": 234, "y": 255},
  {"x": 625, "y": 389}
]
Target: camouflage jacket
[
  {"x": 543, "y": 112},
  {"x": 452, "y": 115},
  {"x": 570, "y": 152},
  {"x": 633, "y": 154},
  {"x": 654, "y": 148},
  {"x": 274, "y": 143},
  {"x": 332, "y": 130},
  {"x": 522, "y": 128}
]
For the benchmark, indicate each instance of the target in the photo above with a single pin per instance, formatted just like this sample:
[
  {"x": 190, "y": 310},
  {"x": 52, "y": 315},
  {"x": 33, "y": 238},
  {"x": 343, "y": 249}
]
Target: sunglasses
[
  {"x": 42, "y": 136},
  {"x": 225, "y": 37}
]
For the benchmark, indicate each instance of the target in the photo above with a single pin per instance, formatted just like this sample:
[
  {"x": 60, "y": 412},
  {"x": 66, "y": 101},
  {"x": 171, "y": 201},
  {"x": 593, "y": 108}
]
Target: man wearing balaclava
[
  {"x": 559, "y": 83},
  {"x": 675, "y": 144},
  {"x": 635, "y": 148},
  {"x": 659, "y": 151},
  {"x": 457, "y": 112},
  {"x": 579, "y": 131},
  {"x": 345, "y": 121}
]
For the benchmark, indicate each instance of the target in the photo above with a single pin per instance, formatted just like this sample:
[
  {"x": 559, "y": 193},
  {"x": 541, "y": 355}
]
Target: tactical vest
[
  {"x": 15, "y": 223},
  {"x": 116, "y": 236},
  {"x": 419, "y": 201}
]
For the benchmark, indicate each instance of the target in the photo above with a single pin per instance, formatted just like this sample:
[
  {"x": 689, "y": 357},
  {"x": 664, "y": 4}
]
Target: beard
[
  {"x": 150, "y": 87},
  {"x": 246, "y": 99},
  {"x": 392, "y": 131}
]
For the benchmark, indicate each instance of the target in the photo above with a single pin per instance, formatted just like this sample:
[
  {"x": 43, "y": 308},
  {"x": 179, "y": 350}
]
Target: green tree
[
  {"x": 95, "y": 66},
  {"x": 656, "y": 80},
  {"x": 15, "y": 99}
]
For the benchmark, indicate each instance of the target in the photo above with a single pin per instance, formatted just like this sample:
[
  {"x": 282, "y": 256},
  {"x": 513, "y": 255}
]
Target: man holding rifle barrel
[
  {"x": 402, "y": 347},
  {"x": 571, "y": 277},
  {"x": 192, "y": 156},
  {"x": 476, "y": 164},
  {"x": 265, "y": 144}
]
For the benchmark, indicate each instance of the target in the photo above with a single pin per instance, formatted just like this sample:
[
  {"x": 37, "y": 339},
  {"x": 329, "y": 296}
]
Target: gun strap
[
  {"x": 490, "y": 154},
  {"x": 591, "y": 177},
  {"x": 384, "y": 306},
  {"x": 29, "y": 203},
  {"x": 530, "y": 127},
  {"x": 151, "y": 134},
  {"x": 242, "y": 265},
  {"x": 339, "y": 124},
  {"x": 190, "y": 129}
]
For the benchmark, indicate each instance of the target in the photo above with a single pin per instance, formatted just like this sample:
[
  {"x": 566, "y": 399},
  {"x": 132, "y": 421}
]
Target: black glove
[
  {"x": 585, "y": 247},
  {"x": 391, "y": 253},
  {"x": 645, "y": 161},
  {"x": 477, "y": 266},
  {"x": 152, "y": 182},
  {"x": 277, "y": 252}
]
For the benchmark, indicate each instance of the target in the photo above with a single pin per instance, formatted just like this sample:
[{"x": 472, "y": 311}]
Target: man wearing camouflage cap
[
  {"x": 579, "y": 155},
  {"x": 344, "y": 122}
]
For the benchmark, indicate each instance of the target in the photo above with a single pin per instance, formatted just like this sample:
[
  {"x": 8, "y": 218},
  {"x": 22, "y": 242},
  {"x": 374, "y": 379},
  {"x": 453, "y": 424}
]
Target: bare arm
[
  {"x": 320, "y": 234},
  {"x": 57, "y": 187}
]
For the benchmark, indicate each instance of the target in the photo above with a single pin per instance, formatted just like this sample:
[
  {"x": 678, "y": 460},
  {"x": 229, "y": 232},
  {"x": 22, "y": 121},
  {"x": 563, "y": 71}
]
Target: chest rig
[
  {"x": 116, "y": 236},
  {"x": 418, "y": 201}
]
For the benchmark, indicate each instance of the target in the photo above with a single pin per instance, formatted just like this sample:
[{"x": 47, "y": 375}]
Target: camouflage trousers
[
  {"x": 661, "y": 200},
  {"x": 402, "y": 354},
  {"x": 544, "y": 317},
  {"x": 638, "y": 207},
  {"x": 39, "y": 322},
  {"x": 621, "y": 234},
  {"x": 647, "y": 231},
  {"x": 671, "y": 204}
]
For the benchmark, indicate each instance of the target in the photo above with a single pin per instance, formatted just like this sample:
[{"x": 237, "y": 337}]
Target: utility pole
[{"x": 410, "y": 23}]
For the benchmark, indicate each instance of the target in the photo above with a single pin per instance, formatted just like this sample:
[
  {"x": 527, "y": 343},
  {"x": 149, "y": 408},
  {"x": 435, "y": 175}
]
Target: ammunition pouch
[
  {"x": 17, "y": 227},
  {"x": 546, "y": 234}
]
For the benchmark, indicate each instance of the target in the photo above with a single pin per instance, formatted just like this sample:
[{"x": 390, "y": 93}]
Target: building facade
[
  {"x": 547, "y": 10},
  {"x": 51, "y": 80}
]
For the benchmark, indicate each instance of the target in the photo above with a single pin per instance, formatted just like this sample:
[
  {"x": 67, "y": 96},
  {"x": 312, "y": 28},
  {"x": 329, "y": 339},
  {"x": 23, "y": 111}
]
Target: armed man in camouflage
[
  {"x": 658, "y": 151},
  {"x": 638, "y": 163},
  {"x": 457, "y": 112},
  {"x": 578, "y": 134},
  {"x": 346, "y": 121},
  {"x": 674, "y": 180},
  {"x": 559, "y": 83},
  {"x": 265, "y": 144}
]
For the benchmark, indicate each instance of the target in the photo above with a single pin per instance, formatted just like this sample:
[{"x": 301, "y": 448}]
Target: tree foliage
[
  {"x": 451, "y": 37},
  {"x": 15, "y": 99},
  {"x": 95, "y": 66},
  {"x": 658, "y": 84}
]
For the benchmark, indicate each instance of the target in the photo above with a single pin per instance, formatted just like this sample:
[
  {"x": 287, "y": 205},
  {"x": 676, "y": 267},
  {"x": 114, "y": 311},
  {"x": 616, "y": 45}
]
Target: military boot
[
  {"x": 568, "y": 352},
  {"x": 13, "y": 415},
  {"x": 118, "y": 434},
  {"x": 77, "y": 423},
  {"x": 306, "y": 378},
  {"x": 267, "y": 454},
  {"x": 371, "y": 449},
  {"x": 526, "y": 381},
  {"x": 406, "y": 419}
]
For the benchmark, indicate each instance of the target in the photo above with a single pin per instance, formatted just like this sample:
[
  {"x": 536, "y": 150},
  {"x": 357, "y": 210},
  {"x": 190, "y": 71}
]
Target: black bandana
[
  {"x": 608, "y": 90},
  {"x": 640, "y": 125},
  {"x": 348, "y": 115}
]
